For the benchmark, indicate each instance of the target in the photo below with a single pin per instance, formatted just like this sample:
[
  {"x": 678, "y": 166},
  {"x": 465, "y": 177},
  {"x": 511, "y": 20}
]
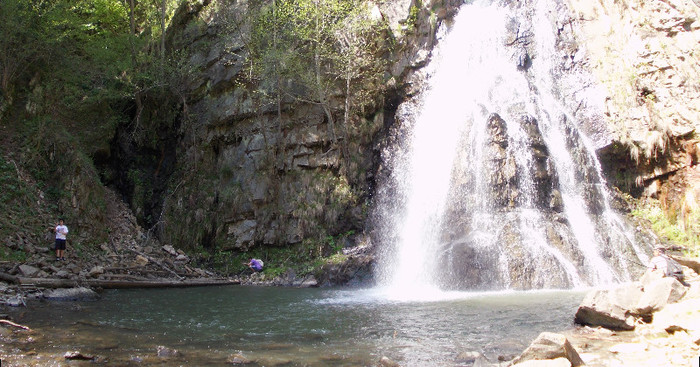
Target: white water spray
[{"x": 471, "y": 79}]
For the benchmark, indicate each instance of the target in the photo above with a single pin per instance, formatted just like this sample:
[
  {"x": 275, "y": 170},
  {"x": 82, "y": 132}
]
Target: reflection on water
[{"x": 301, "y": 327}]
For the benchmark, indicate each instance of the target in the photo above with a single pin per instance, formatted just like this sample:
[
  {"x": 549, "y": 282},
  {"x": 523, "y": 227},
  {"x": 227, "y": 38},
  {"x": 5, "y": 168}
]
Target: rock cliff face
[
  {"x": 240, "y": 172},
  {"x": 645, "y": 57},
  {"x": 251, "y": 172}
]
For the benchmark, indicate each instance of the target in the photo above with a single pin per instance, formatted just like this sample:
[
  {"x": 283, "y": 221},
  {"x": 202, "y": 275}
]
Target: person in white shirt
[{"x": 61, "y": 231}]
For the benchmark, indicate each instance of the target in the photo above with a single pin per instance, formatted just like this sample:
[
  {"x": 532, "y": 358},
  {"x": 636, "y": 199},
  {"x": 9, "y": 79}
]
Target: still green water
[{"x": 299, "y": 327}]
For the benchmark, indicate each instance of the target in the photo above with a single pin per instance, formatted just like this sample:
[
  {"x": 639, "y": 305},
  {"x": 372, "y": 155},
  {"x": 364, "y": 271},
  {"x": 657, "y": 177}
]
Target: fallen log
[
  {"x": 124, "y": 277},
  {"x": 8, "y": 278},
  {"x": 122, "y": 284}
]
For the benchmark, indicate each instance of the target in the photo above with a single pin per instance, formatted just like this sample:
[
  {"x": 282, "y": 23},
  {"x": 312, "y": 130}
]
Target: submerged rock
[
  {"x": 71, "y": 294},
  {"x": 76, "y": 355},
  {"x": 238, "y": 359},
  {"x": 388, "y": 362},
  {"x": 163, "y": 351}
]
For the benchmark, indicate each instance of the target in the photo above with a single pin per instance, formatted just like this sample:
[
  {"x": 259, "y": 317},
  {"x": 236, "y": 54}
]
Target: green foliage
[
  {"x": 304, "y": 258},
  {"x": 669, "y": 229},
  {"x": 13, "y": 190},
  {"x": 7, "y": 254},
  {"x": 303, "y": 48},
  {"x": 412, "y": 18}
]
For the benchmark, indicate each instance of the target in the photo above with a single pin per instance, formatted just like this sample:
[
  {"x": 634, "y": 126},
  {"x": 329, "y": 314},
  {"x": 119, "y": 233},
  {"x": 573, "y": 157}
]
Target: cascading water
[{"x": 496, "y": 186}]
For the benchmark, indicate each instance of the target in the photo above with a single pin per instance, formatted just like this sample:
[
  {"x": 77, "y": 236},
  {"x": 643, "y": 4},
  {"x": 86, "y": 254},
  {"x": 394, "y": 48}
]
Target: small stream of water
[{"x": 297, "y": 327}]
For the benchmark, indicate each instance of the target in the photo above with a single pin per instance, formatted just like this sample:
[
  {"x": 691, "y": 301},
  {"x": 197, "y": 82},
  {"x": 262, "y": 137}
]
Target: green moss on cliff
[{"x": 671, "y": 228}]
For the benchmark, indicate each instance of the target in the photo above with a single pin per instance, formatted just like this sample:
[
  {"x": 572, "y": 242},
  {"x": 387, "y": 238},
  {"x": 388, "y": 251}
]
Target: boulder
[
  {"x": 308, "y": 282},
  {"x": 95, "y": 271},
  {"x": 28, "y": 270},
  {"x": 610, "y": 308},
  {"x": 62, "y": 274},
  {"x": 182, "y": 258},
  {"x": 170, "y": 249},
  {"x": 71, "y": 294},
  {"x": 683, "y": 316},
  {"x": 15, "y": 301},
  {"x": 550, "y": 346},
  {"x": 658, "y": 294},
  {"x": 141, "y": 260},
  {"x": 474, "y": 359},
  {"x": 467, "y": 357}
]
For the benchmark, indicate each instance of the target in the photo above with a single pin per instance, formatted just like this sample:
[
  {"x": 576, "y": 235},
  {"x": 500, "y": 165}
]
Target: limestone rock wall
[
  {"x": 247, "y": 178},
  {"x": 646, "y": 56}
]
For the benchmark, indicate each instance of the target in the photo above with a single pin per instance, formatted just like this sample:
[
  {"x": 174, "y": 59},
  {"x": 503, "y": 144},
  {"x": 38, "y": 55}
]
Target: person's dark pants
[{"x": 60, "y": 244}]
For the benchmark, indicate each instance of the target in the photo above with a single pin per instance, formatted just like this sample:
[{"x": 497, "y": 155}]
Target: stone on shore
[
  {"x": 308, "y": 282},
  {"x": 28, "y": 270},
  {"x": 680, "y": 318},
  {"x": 550, "y": 346},
  {"x": 96, "y": 271},
  {"x": 610, "y": 308},
  {"x": 659, "y": 293},
  {"x": 559, "y": 362},
  {"x": 618, "y": 308}
]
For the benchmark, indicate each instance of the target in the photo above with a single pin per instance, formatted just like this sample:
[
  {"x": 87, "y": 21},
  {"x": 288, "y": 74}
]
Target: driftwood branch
[
  {"x": 8, "y": 322},
  {"x": 157, "y": 263}
]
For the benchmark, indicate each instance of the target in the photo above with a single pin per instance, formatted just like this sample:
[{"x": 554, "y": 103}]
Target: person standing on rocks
[{"x": 61, "y": 231}]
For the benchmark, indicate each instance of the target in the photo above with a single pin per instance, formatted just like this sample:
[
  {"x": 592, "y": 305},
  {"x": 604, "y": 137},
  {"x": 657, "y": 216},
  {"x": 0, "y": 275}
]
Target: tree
[
  {"x": 335, "y": 37},
  {"x": 21, "y": 45}
]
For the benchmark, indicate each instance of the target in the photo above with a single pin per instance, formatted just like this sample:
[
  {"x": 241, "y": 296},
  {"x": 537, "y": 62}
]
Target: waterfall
[{"x": 494, "y": 185}]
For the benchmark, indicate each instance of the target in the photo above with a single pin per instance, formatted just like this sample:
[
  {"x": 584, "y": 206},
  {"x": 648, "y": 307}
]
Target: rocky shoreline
[{"x": 649, "y": 323}]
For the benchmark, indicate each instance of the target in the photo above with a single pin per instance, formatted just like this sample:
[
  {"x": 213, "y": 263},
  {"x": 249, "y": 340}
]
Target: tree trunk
[
  {"x": 132, "y": 28},
  {"x": 162, "y": 29},
  {"x": 323, "y": 99}
]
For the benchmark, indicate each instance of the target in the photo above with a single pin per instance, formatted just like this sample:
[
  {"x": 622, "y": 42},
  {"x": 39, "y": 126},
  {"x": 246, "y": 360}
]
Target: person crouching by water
[
  {"x": 663, "y": 266},
  {"x": 256, "y": 265},
  {"x": 61, "y": 231}
]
